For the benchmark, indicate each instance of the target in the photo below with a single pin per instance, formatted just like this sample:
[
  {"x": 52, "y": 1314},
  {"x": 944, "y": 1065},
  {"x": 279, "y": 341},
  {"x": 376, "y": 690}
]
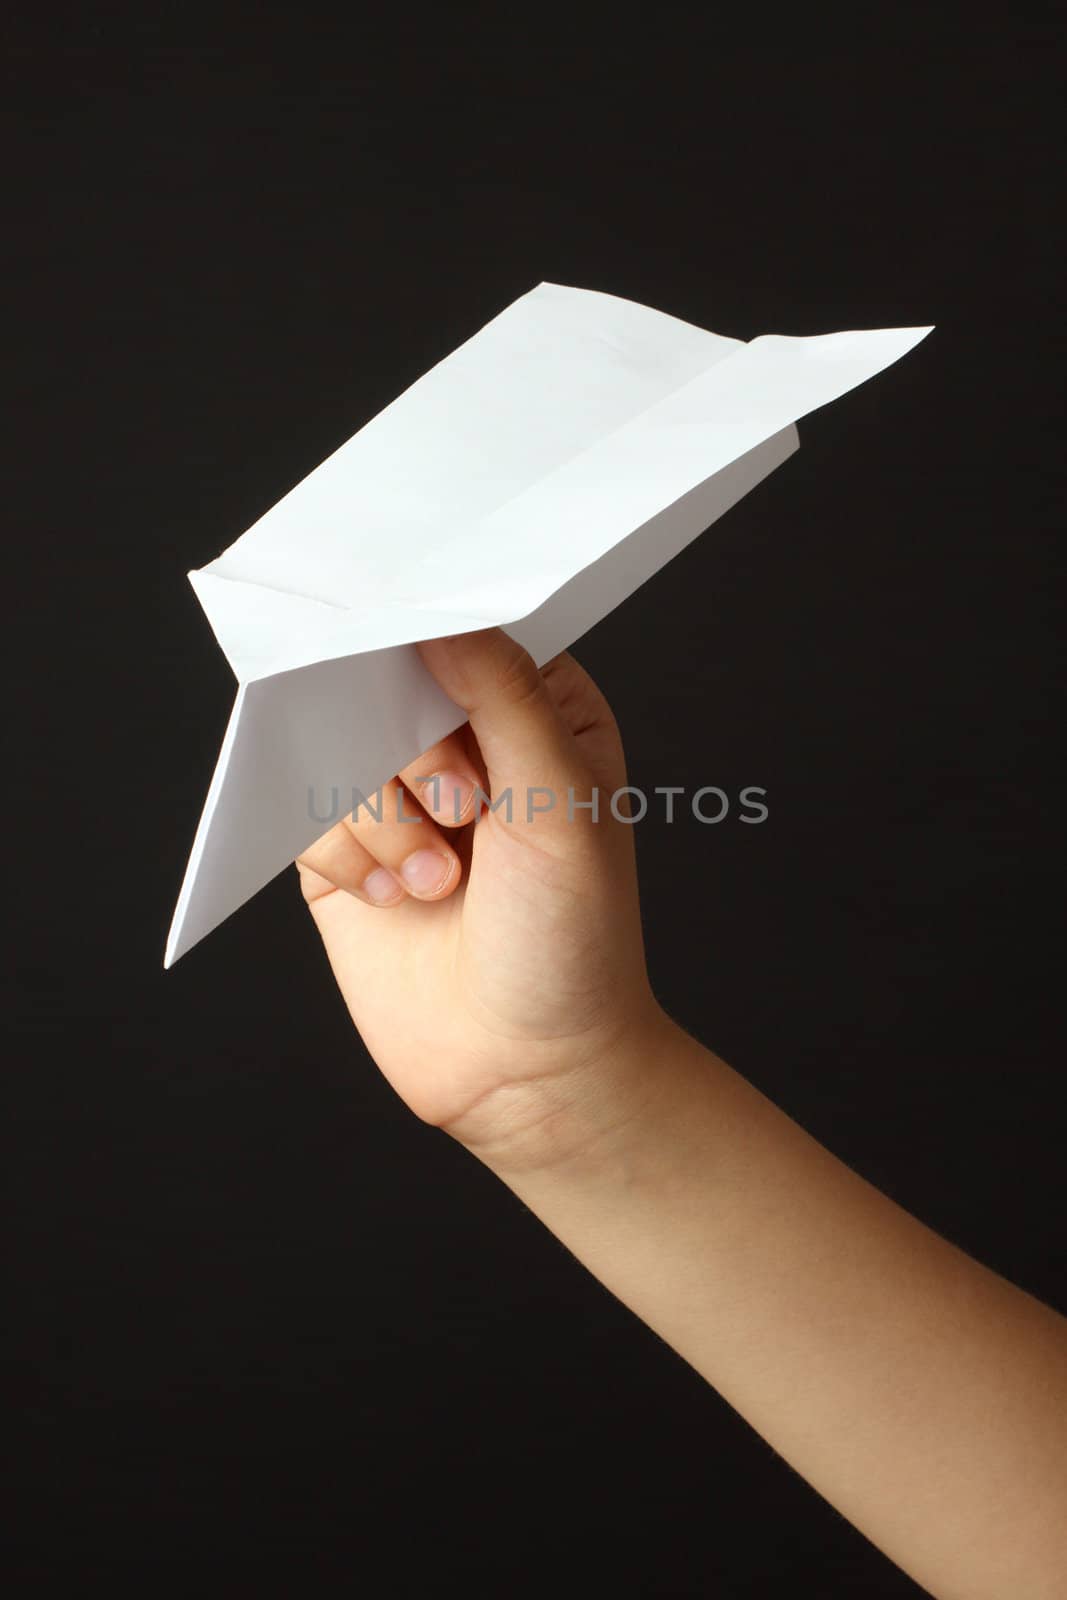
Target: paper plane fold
[{"x": 532, "y": 480}]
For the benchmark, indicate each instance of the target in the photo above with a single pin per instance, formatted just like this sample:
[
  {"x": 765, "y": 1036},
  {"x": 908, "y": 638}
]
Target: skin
[{"x": 496, "y": 972}]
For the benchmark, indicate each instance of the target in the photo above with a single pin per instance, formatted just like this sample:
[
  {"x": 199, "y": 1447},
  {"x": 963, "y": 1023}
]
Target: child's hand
[
  {"x": 506, "y": 1000},
  {"x": 494, "y": 968}
]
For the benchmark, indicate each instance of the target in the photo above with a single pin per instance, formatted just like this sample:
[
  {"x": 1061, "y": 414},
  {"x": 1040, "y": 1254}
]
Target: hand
[
  {"x": 495, "y": 967},
  {"x": 503, "y": 993}
]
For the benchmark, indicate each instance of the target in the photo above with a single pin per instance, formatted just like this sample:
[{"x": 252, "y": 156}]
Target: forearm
[{"x": 922, "y": 1395}]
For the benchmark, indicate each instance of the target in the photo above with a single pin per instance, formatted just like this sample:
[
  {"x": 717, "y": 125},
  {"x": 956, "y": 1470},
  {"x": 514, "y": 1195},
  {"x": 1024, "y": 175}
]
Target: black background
[{"x": 258, "y": 1319}]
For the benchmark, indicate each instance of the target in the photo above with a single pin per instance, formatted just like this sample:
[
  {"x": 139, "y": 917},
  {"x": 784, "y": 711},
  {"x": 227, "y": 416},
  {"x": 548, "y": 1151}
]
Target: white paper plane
[{"x": 532, "y": 480}]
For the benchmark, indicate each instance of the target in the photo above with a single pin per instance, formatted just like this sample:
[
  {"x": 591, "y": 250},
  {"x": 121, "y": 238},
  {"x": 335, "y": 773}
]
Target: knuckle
[
  {"x": 608, "y": 721},
  {"x": 366, "y": 817},
  {"x": 315, "y": 884},
  {"x": 517, "y": 678}
]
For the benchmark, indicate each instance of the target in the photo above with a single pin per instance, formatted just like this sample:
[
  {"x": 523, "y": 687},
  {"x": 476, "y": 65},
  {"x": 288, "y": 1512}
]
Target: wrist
[{"x": 591, "y": 1115}]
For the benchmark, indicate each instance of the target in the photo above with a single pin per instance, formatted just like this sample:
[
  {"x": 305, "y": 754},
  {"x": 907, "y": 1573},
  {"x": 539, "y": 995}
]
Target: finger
[
  {"x": 313, "y": 886},
  {"x": 584, "y": 710},
  {"x": 526, "y": 746},
  {"x": 445, "y": 781},
  {"x": 402, "y": 839},
  {"x": 339, "y": 861}
]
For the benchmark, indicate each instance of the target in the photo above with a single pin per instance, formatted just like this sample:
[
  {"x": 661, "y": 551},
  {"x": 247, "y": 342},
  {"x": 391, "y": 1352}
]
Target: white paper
[{"x": 532, "y": 480}]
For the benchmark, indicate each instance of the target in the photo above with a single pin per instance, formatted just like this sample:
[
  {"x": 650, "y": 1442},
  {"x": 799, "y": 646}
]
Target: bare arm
[
  {"x": 920, "y": 1393},
  {"x": 496, "y": 972}
]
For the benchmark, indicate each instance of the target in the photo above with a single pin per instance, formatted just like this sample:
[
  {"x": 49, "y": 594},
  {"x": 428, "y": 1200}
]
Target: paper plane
[{"x": 533, "y": 480}]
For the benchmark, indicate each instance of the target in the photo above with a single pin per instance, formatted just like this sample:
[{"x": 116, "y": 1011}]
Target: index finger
[{"x": 445, "y": 780}]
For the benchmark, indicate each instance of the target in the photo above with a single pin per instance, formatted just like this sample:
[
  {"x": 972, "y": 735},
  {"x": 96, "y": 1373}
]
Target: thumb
[{"x": 525, "y": 744}]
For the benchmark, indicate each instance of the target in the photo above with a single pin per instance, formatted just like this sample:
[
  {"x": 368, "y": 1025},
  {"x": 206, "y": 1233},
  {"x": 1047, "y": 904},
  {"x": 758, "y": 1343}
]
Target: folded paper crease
[{"x": 532, "y": 480}]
